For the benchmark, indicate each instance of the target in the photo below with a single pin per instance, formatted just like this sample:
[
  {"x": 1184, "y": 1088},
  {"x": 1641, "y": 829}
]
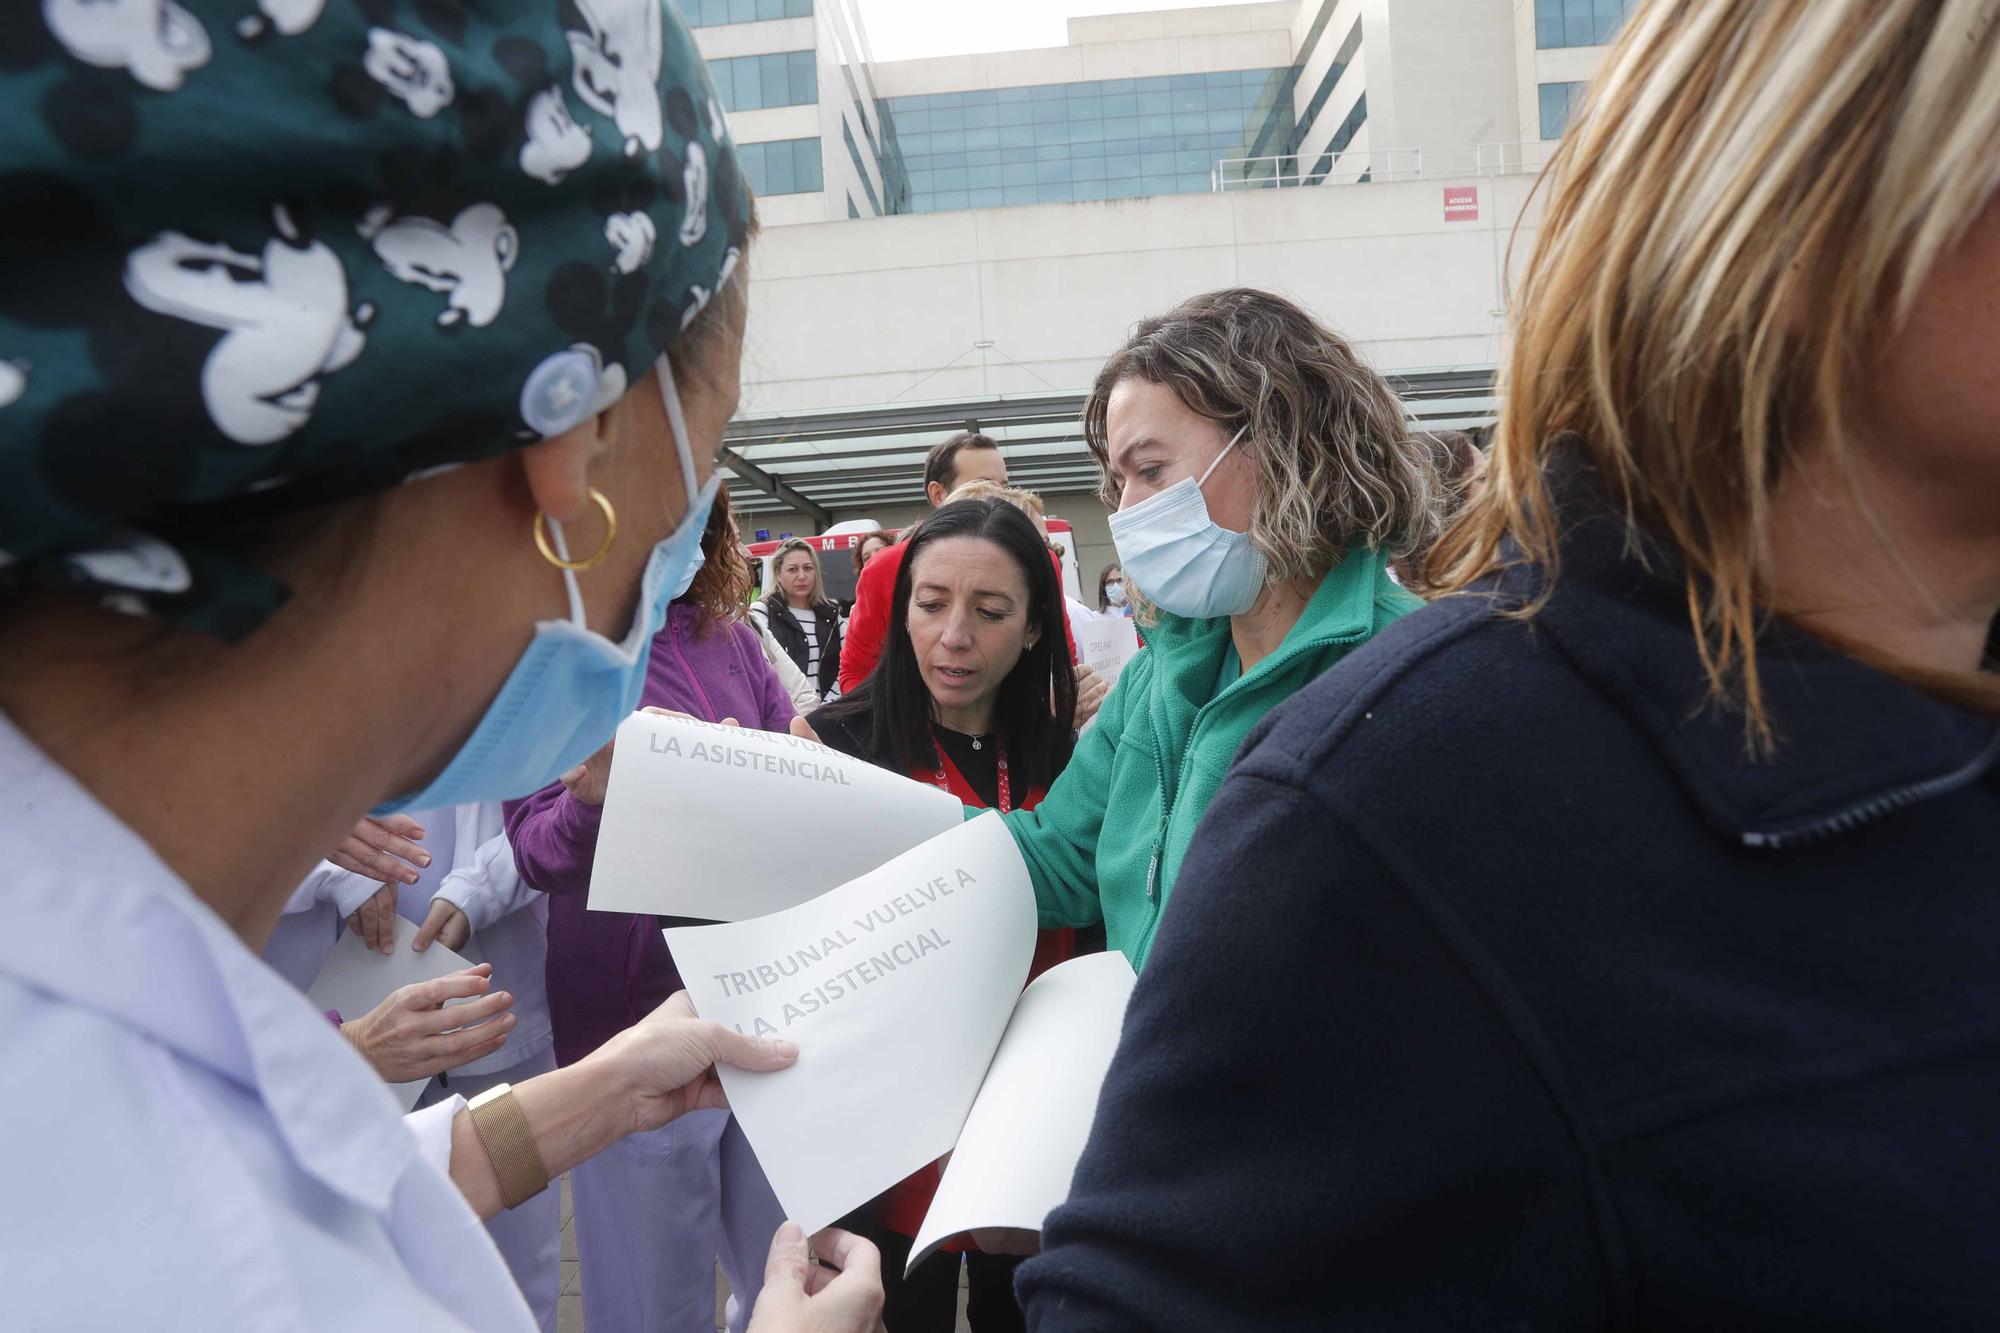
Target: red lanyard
[{"x": 1006, "y": 790}]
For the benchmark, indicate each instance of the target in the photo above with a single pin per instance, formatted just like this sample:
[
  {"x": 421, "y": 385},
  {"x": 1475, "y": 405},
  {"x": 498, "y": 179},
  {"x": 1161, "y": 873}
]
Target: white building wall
[{"x": 847, "y": 316}]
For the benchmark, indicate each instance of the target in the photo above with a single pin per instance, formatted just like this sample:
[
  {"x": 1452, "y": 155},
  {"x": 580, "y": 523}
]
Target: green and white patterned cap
[{"x": 259, "y": 255}]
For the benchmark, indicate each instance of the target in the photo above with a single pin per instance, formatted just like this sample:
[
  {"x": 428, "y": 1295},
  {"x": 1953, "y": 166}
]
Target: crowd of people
[{"x": 1559, "y": 867}]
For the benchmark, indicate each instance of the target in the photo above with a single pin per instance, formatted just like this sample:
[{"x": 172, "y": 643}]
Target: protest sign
[{"x": 726, "y": 823}]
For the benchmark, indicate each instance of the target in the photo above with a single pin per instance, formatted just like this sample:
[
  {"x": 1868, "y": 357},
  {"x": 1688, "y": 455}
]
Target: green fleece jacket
[{"x": 1108, "y": 839}]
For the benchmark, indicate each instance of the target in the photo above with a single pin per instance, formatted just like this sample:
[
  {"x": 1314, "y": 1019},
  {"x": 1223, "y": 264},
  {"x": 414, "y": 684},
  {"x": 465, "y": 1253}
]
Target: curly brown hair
[
  {"x": 1337, "y": 466},
  {"x": 722, "y": 585}
]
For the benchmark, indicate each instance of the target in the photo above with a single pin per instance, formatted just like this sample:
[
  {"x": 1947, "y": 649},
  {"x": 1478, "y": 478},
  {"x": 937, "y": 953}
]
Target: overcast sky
[{"x": 906, "y": 29}]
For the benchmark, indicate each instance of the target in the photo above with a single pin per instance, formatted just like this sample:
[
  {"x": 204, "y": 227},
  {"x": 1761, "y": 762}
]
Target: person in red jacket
[
  {"x": 974, "y": 694},
  {"x": 966, "y": 456}
]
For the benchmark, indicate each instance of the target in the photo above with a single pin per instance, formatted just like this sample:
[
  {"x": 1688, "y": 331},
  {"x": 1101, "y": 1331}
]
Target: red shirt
[{"x": 868, "y": 625}]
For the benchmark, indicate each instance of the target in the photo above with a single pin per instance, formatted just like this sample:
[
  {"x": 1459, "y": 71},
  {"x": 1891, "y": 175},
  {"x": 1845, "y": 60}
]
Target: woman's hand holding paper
[
  {"x": 375, "y": 920},
  {"x": 668, "y": 1061},
  {"x": 841, "y": 1293},
  {"x": 412, "y": 1035},
  {"x": 1091, "y": 689},
  {"x": 446, "y": 923}
]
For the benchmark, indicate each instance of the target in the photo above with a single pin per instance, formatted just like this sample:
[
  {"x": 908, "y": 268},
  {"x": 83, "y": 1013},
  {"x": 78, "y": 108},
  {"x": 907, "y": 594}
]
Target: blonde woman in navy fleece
[{"x": 1613, "y": 945}]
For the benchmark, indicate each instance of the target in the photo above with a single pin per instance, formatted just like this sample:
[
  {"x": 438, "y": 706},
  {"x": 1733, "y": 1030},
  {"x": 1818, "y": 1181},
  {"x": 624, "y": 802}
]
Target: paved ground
[{"x": 569, "y": 1307}]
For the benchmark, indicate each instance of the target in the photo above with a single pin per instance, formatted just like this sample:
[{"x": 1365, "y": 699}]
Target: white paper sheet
[
  {"x": 1026, "y": 1132},
  {"x": 356, "y": 978},
  {"x": 724, "y": 824},
  {"x": 896, "y": 986},
  {"x": 1105, "y": 645}
]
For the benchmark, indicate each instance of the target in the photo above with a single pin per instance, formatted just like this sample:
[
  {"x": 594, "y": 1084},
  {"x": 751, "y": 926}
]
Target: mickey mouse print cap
[{"x": 258, "y": 255}]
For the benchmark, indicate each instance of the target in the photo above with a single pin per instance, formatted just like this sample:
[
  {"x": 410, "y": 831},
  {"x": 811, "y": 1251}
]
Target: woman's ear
[{"x": 558, "y": 469}]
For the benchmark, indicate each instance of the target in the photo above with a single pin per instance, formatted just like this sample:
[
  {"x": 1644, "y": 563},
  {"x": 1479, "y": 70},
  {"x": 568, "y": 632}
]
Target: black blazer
[
  {"x": 1501, "y": 990},
  {"x": 791, "y": 636}
]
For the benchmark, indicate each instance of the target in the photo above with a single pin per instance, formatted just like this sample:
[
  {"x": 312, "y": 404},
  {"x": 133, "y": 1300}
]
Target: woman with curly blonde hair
[
  {"x": 1262, "y": 476},
  {"x": 1612, "y": 944}
]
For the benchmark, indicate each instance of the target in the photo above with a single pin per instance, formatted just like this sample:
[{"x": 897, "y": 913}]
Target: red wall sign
[{"x": 1461, "y": 203}]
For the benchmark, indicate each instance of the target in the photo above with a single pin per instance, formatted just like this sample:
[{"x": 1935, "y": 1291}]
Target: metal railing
[{"x": 1362, "y": 165}]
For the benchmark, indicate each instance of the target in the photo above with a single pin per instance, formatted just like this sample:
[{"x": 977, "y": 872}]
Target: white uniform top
[
  {"x": 472, "y": 867},
  {"x": 185, "y": 1143}
]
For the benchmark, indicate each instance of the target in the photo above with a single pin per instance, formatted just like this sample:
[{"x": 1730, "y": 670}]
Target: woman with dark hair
[
  {"x": 974, "y": 693},
  {"x": 654, "y": 1213}
]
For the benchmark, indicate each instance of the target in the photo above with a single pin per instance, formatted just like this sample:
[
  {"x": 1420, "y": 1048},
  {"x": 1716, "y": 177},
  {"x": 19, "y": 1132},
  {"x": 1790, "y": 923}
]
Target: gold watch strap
[{"x": 510, "y": 1145}]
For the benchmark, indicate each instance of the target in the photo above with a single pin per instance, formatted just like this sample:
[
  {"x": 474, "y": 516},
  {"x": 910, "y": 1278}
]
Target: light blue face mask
[
  {"x": 572, "y": 687},
  {"x": 1181, "y": 558}
]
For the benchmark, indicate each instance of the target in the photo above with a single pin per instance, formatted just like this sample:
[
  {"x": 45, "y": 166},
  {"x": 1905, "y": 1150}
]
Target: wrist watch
[{"x": 509, "y": 1143}]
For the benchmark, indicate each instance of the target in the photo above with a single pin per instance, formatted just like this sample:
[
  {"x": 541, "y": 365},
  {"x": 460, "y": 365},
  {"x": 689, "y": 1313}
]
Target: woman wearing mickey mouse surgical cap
[{"x": 350, "y": 453}]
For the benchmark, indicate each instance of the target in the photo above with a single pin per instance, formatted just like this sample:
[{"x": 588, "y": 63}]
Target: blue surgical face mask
[
  {"x": 1181, "y": 558},
  {"x": 572, "y": 687}
]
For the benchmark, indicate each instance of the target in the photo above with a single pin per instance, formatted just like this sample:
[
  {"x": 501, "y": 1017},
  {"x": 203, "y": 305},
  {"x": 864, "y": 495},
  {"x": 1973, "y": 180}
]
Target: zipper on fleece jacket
[
  {"x": 1874, "y": 807},
  {"x": 1271, "y": 663},
  {"x": 674, "y": 637}
]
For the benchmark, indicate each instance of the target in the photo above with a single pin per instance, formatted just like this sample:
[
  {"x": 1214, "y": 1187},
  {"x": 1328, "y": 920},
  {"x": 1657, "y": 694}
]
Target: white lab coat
[{"x": 185, "y": 1143}]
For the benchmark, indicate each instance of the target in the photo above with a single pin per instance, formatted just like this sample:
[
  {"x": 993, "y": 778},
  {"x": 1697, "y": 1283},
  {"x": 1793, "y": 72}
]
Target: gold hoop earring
[{"x": 595, "y": 558}]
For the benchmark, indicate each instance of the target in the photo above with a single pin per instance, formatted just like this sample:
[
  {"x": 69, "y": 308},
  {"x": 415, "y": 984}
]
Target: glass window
[
  {"x": 913, "y": 122},
  {"x": 1016, "y": 155},
  {"x": 1052, "y": 152},
  {"x": 920, "y": 182},
  {"x": 914, "y": 145},
  {"x": 1046, "y": 92},
  {"x": 1089, "y": 169},
  {"x": 1191, "y": 122},
  {"x": 1157, "y": 184},
  {"x": 1049, "y": 172},
  {"x": 945, "y": 102},
  {"x": 1055, "y": 192},
  {"x": 798, "y": 9},
  {"x": 1557, "y": 100},
  {"x": 1123, "y": 127},
  {"x": 982, "y": 117},
  {"x": 770, "y": 9},
  {"x": 1083, "y": 191},
  {"x": 953, "y": 179},
  {"x": 1154, "y": 127},
  {"x": 979, "y": 97},
  {"x": 779, "y": 177},
  {"x": 1609, "y": 14},
  {"x": 1015, "y": 113},
  {"x": 1080, "y": 90},
  {"x": 1117, "y": 166},
  {"x": 1190, "y": 99},
  {"x": 802, "y": 74},
  {"x": 1087, "y": 131},
  {"x": 1122, "y": 189},
  {"x": 1050, "y": 113},
  {"x": 1017, "y": 136},
  {"x": 939, "y": 161},
  {"x": 1560, "y": 23},
  {"x": 1018, "y": 173},
  {"x": 1005, "y": 96},
  {"x": 1058, "y": 133},
  {"x": 1125, "y": 104},
  {"x": 982, "y": 178},
  {"x": 1225, "y": 97},
  {"x": 806, "y": 166},
  {"x": 989, "y": 158},
  {"x": 742, "y": 11},
  {"x": 1194, "y": 160},
  {"x": 1155, "y": 103},
  {"x": 1158, "y": 83},
  {"x": 986, "y": 198},
  {"x": 852, "y": 211},
  {"x": 950, "y": 118},
  {"x": 773, "y": 76},
  {"x": 1156, "y": 164},
  {"x": 949, "y": 201},
  {"x": 982, "y": 138}
]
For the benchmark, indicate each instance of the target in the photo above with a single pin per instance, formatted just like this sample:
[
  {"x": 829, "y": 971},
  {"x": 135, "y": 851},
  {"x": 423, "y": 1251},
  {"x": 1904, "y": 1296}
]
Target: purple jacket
[{"x": 606, "y": 970}]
